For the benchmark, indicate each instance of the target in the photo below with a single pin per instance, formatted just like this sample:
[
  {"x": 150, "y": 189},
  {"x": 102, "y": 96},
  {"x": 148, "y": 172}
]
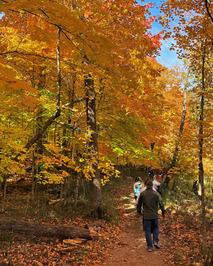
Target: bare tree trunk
[
  {"x": 68, "y": 186},
  {"x": 59, "y": 69},
  {"x": 33, "y": 177},
  {"x": 207, "y": 5},
  {"x": 3, "y": 183},
  {"x": 77, "y": 189},
  {"x": 201, "y": 140},
  {"x": 95, "y": 183},
  {"x": 61, "y": 190},
  {"x": 39, "y": 149},
  {"x": 4, "y": 197},
  {"x": 39, "y": 114},
  {"x": 175, "y": 154},
  {"x": 69, "y": 131}
]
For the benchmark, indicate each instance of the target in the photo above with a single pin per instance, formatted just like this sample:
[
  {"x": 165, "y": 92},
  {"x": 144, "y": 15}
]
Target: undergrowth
[{"x": 183, "y": 227}]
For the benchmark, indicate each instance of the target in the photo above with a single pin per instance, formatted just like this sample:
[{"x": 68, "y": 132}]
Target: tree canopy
[{"x": 65, "y": 61}]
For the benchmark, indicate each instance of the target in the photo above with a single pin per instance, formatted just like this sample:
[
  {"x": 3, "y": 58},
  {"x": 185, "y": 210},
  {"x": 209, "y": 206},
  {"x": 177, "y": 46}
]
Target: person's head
[
  {"x": 149, "y": 184},
  {"x": 137, "y": 179},
  {"x": 155, "y": 177}
]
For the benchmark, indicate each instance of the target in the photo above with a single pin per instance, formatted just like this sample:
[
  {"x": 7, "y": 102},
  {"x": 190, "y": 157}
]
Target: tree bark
[
  {"x": 175, "y": 154},
  {"x": 61, "y": 232},
  {"x": 39, "y": 114},
  {"x": 59, "y": 69},
  {"x": 201, "y": 140},
  {"x": 207, "y": 5},
  {"x": 66, "y": 131},
  {"x": 95, "y": 183}
]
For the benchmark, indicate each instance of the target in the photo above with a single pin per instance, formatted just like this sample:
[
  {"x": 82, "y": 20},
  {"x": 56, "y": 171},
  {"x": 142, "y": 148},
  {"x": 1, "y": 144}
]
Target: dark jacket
[{"x": 150, "y": 200}]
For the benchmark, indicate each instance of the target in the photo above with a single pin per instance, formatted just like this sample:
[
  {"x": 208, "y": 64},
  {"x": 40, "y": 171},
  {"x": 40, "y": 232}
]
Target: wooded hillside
[{"x": 83, "y": 97}]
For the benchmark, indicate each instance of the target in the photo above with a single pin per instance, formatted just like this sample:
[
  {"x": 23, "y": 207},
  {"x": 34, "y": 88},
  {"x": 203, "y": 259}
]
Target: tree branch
[
  {"x": 207, "y": 9},
  {"x": 44, "y": 128},
  {"x": 27, "y": 54},
  {"x": 39, "y": 133}
]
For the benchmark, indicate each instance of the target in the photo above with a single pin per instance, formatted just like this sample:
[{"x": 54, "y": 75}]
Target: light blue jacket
[{"x": 137, "y": 188}]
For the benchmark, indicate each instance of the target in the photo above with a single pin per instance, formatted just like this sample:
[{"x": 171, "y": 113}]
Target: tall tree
[
  {"x": 113, "y": 38},
  {"x": 193, "y": 36}
]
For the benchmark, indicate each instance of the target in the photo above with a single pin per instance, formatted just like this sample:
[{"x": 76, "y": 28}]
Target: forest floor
[
  {"x": 180, "y": 237},
  {"x": 131, "y": 249},
  {"x": 118, "y": 239}
]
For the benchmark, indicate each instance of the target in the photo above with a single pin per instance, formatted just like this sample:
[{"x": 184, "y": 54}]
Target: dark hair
[
  {"x": 149, "y": 184},
  {"x": 137, "y": 179}
]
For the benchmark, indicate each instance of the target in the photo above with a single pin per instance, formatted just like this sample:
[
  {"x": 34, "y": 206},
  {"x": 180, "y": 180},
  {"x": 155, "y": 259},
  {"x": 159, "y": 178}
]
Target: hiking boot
[
  {"x": 156, "y": 246},
  {"x": 150, "y": 249}
]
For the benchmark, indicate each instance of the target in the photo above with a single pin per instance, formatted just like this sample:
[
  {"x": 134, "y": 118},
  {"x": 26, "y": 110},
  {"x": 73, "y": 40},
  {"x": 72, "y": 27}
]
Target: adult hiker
[
  {"x": 151, "y": 173},
  {"x": 143, "y": 185},
  {"x": 137, "y": 187},
  {"x": 160, "y": 176},
  {"x": 157, "y": 185},
  {"x": 150, "y": 200},
  {"x": 136, "y": 201}
]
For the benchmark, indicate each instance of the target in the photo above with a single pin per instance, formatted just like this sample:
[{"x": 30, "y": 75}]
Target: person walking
[
  {"x": 143, "y": 185},
  {"x": 160, "y": 176},
  {"x": 157, "y": 185},
  {"x": 151, "y": 200},
  {"x": 137, "y": 187},
  {"x": 151, "y": 173}
]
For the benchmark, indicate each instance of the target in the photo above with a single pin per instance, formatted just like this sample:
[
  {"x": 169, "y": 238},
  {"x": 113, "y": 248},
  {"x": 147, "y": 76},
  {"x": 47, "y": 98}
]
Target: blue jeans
[{"x": 149, "y": 227}]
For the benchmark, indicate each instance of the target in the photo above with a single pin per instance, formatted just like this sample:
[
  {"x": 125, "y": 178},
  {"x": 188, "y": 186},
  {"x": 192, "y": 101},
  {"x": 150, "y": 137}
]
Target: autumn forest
[{"x": 86, "y": 107}]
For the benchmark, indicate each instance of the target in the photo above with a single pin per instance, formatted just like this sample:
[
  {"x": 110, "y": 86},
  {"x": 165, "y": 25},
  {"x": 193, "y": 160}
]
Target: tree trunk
[
  {"x": 77, "y": 189},
  {"x": 34, "y": 179},
  {"x": 83, "y": 187},
  {"x": 61, "y": 232},
  {"x": 201, "y": 140},
  {"x": 69, "y": 131},
  {"x": 95, "y": 183},
  {"x": 39, "y": 114},
  {"x": 3, "y": 182},
  {"x": 3, "y": 209},
  {"x": 175, "y": 154},
  {"x": 59, "y": 69},
  {"x": 207, "y": 5}
]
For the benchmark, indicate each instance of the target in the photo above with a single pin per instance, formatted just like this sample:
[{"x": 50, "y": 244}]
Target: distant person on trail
[
  {"x": 137, "y": 187},
  {"x": 150, "y": 200},
  {"x": 160, "y": 176},
  {"x": 157, "y": 185},
  {"x": 151, "y": 173}
]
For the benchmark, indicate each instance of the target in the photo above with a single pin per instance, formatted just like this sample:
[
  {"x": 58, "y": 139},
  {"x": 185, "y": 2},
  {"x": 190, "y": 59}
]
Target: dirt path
[{"x": 131, "y": 248}]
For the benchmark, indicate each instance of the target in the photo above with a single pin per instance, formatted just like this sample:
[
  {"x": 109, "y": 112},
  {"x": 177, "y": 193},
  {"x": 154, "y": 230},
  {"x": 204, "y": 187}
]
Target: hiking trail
[{"x": 131, "y": 249}]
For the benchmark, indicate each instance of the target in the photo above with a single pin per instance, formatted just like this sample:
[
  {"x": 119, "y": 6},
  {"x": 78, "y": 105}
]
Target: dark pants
[
  {"x": 143, "y": 225},
  {"x": 150, "y": 225}
]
